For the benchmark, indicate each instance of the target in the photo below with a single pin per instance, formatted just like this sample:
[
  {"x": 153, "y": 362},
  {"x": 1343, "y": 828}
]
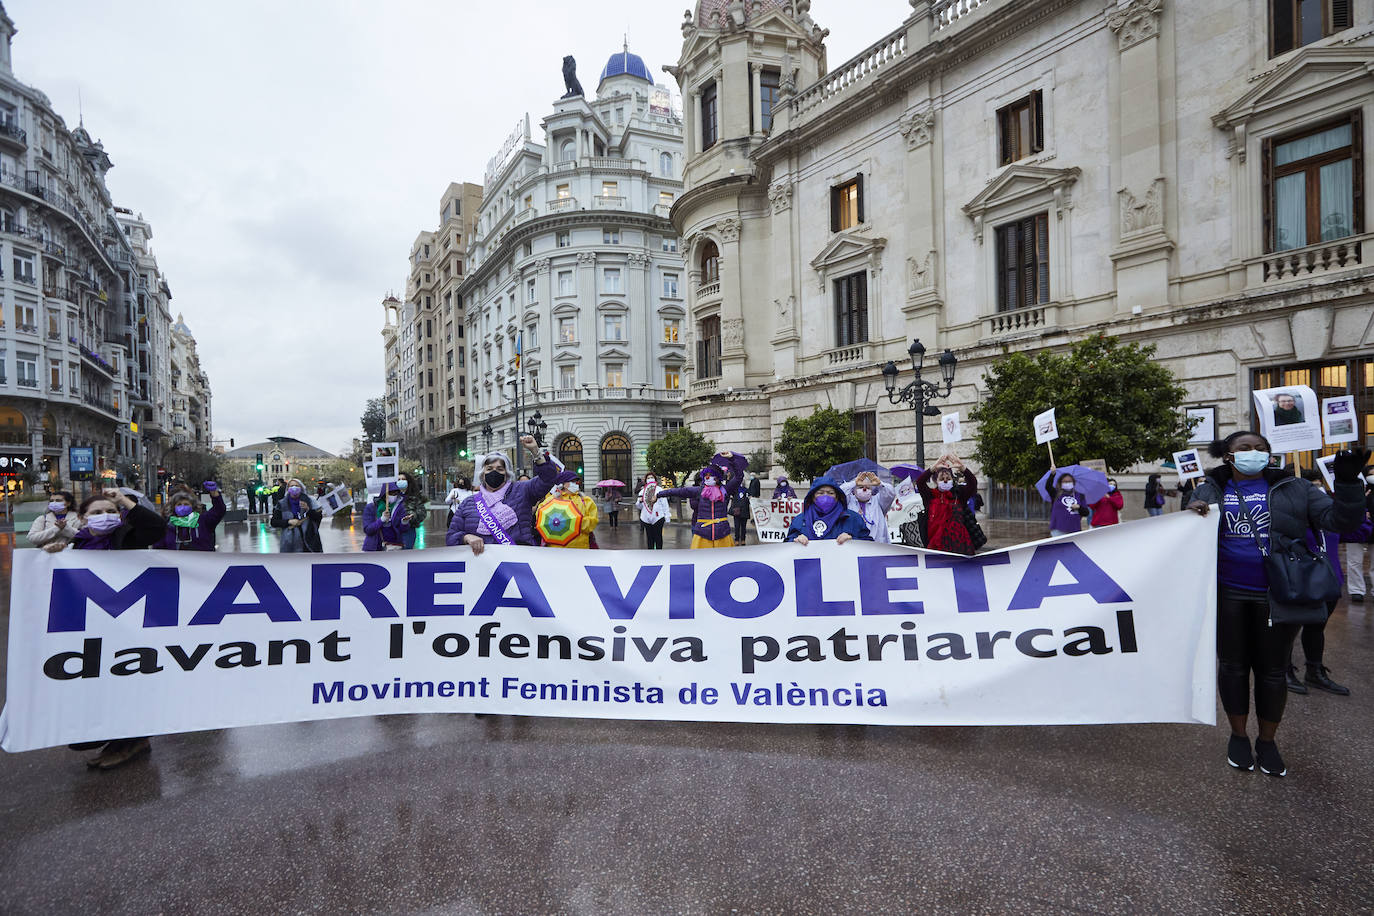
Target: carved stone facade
[{"x": 1144, "y": 199}]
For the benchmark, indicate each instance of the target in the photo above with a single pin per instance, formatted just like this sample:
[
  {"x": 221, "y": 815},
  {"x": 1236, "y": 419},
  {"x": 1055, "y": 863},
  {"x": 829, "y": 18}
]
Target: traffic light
[
  {"x": 463, "y": 453},
  {"x": 258, "y": 461},
  {"x": 420, "y": 472},
  {"x": 579, "y": 469}
]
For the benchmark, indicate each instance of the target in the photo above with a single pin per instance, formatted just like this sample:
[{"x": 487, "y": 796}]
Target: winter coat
[
  {"x": 201, "y": 537},
  {"x": 142, "y": 528},
  {"x": 1295, "y": 505},
  {"x": 1105, "y": 509},
  {"x": 847, "y": 522},
  {"x": 46, "y": 529},
  {"x": 944, "y": 524},
  {"x": 655, "y": 512},
  {"x": 711, "y": 520},
  {"x": 305, "y": 538},
  {"x": 522, "y": 497},
  {"x": 377, "y": 534},
  {"x": 876, "y": 517},
  {"x": 1153, "y": 490}
]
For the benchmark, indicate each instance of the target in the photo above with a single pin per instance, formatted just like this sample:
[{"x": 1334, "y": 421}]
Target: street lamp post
[
  {"x": 519, "y": 389},
  {"x": 486, "y": 434},
  {"x": 536, "y": 426},
  {"x": 918, "y": 392}
]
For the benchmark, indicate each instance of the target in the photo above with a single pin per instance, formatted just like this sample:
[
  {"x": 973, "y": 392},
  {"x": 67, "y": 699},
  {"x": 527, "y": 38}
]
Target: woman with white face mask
[
  {"x": 653, "y": 512},
  {"x": 1264, "y": 507},
  {"x": 568, "y": 487},
  {"x": 55, "y": 528},
  {"x": 870, "y": 498}
]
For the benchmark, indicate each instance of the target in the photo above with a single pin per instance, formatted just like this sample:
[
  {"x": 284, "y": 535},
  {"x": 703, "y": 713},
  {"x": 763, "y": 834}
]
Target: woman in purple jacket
[
  {"x": 502, "y": 509},
  {"x": 189, "y": 526},
  {"x": 384, "y": 522},
  {"x": 114, "y": 521},
  {"x": 1067, "y": 509},
  {"x": 711, "y": 522}
]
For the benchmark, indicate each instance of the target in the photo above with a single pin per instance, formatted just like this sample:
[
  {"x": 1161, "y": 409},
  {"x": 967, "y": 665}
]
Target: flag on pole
[{"x": 519, "y": 346}]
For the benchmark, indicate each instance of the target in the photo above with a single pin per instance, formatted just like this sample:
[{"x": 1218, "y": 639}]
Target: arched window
[
  {"x": 570, "y": 453},
  {"x": 710, "y": 263},
  {"x": 14, "y": 429},
  {"x": 568, "y": 151},
  {"x": 615, "y": 458},
  {"x": 665, "y": 164}
]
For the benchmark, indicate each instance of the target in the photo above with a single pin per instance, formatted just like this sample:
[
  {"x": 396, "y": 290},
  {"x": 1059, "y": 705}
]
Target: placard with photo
[
  {"x": 1046, "y": 427},
  {"x": 1340, "y": 423},
  {"x": 951, "y": 429},
  {"x": 1188, "y": 464},
  {"x": 1289, "y": 418}
]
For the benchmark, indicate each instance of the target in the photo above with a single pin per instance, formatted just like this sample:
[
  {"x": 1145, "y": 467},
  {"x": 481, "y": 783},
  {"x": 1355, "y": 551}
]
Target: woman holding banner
[
  {"x": 946, "y": 505},
  {"x": 826, "y": 518},
  {"x": 189, "y": 525},
  {"x": 299, "y": 518},
  {"x": 385, "y": 522},
  {"x": 115, "y": 521},
  {"x": 55, "y": 528},
  {"x": 1264, "y": 506},
  {"x": 502, "y": 511}
]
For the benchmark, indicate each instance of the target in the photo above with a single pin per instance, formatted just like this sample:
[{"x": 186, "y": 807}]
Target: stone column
[
  {"x": 922, "y": 301},
  {"x": 588, "y": 298},
  {"x": 694, "y": 141},
  {"x": 639, "y": 301},
  {"x": 1142, "y": 254},
  {"x": 732, "y": 352},
  {"x": 756, "y": 89},
  {"x": 786, "y": 287}
]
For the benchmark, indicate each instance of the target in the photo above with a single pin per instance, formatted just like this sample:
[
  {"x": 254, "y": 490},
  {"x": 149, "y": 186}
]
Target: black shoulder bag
[{"x": 1301, "y": 581}]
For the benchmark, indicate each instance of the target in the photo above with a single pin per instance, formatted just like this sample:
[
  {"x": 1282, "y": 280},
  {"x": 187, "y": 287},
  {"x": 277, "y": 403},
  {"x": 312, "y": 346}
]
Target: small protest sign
[
  {"x": 1188, "y": 464},
  {"x": 1046, "y": 428},
  {"x": 1289, "y": 418},
  {"x": 950, "y": 428},
  {"x": 1339, "y": 420}
]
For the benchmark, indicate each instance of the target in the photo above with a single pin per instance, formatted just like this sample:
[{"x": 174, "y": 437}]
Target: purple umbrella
[{"x": 1091, "y": 484}]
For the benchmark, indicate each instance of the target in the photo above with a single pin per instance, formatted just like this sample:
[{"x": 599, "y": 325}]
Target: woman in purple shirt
[{"x": 1067, "y": 508}]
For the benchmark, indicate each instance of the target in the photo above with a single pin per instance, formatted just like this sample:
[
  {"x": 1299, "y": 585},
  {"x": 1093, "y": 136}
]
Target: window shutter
[
  {"x": 1281, "y": 25},
  {"x": 861, "y": 306},
  {"x": 1027, "y": 278},
  {"x": 1357, "y": 168},
  {"x": 1341, "y": 17},
  {"x": 1042, "y": 254},
  {"x": 1038, "y": 120},
  {"x": 1267, "y": 178},
  {"x": 1006, "y": 268},
  {"x": 834, "y": 209},
  {"x": 861, "y": 197},
  {"x": 1004, "y": 136}
]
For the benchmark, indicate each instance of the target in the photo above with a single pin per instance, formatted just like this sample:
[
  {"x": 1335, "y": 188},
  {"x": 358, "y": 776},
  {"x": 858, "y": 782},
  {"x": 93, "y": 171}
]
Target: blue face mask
[
  {"x": 1251, "y": 462},
  {"x": 401, "y": 485}
]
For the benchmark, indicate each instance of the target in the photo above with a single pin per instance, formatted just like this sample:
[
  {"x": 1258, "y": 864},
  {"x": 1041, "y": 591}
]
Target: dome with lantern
[{"x": 623, "y": 63}]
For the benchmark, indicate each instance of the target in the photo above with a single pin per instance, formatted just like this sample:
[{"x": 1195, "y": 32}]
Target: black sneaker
[
  {"x": 1319, "y": 676},
  {"x": 1294, "y": 684},
  {"x": 1270, "y": 763},
  {"x": 1358, "y": 599},
  {"x": 1238, "y": 753}
]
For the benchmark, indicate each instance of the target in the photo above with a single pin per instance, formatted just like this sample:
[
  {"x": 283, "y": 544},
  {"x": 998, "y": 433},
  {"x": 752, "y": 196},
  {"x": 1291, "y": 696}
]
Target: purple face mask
[
  {"x": 293, "y": 491},
  {"x": 825, "y": 502},
  {"x": 105, "y": 522},
  {"x": 183, "y": 510}
]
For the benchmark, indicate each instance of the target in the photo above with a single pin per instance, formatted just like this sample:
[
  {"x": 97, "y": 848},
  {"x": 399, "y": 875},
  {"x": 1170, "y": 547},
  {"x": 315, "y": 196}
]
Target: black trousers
[
  {"x": 653, "y": 534},
  {"x": 1246, "y": 643},
  {"x": 741, "y": 528},
  {"x": 1314, "y": 638},
  {"x": 615, "y": 519}
]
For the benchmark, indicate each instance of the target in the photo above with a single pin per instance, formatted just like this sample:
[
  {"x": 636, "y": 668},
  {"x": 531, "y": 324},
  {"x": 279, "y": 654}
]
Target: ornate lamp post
[
  {"x": 918, "y": 392},
  {"x": 486, "y": 433},
  {"x": 536, "y": 426}
]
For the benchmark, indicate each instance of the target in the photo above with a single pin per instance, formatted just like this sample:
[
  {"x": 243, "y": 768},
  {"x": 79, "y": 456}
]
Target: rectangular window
[
  {"x": 1313, "y": 191},
  {"x": 55, "y": 374},
  {"x": 866, "y": 422},
  {"x": 1021, "y": 128},
  {"x": 709, "y": 134},
  {"x": 462, "y": 358},
  {"x": 610, "y": 236},
  {"x": 708, "y": 347},
  {"x": 851, "y": 309},
  {"x": 24, "y": 266},
  {"x": 665, "y": 198},
  {"x": 531, "y": 336},
  {"x": 563, "y": 191},
  {"x": 567, "y": 377},
  {"x": 670, "y": 244},
  {"x": 25, "y": 317},
  {"x": 610, "y": 189},
  {"x": 770, "y": 81},
  {"x": 567, "y": 331},
  {"x": 671, "y": 426},
  {"x": 565, "y": 283},
  {"x": 612, "y": 327},
  {"x": 4, "y": 368},
  {"x": 615, "y": 375},
  {"x": 460, "y": 332},
  {"x": 1294, "y": 23},
  {"x": 564, "y": 239},
  {"x": 672, "y": 378},
  {"x": 530, "y": 296},
  {"x": 672, "y": 330},
  {"x": 670, "y": 286},
  {"x": 611, "y": 276},
  {"x": 26, "y": 369},
  {"x": 1023, "y": 263},
  {"x": 462, "y": 386},
  {"x": 847, "y": 204}
]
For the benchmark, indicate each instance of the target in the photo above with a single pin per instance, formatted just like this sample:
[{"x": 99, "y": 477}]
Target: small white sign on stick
[
  {"x": 950, "y": 428},
  {"x": 1046, "y": 428},
  {"x": 1289, "y": 418},
  {"x": 1340, "y": 423},
  {"x": 1324, "y": 465},
  {"x": 335, "y": 500},
  {"x": 1188, "y": 464}
]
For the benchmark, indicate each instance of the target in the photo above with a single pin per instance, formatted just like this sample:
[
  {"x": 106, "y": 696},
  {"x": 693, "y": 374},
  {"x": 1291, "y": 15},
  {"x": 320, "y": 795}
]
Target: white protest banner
[
  {"x": 1046, "y": 428},
  {"x": 1339, "y": 420},
  {"x": 1189, "y": 465},
  {"x": 1288, "y": 418},
  {"x": 1077, "y": 630},
  {"x": 950, "y": 429},
  {"x": 335, "y": 500},
  {"x": 772, "y": 517}
]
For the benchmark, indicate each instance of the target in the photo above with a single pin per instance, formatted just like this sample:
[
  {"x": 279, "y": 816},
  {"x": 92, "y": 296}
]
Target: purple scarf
[{"x": 496, "y": 502}]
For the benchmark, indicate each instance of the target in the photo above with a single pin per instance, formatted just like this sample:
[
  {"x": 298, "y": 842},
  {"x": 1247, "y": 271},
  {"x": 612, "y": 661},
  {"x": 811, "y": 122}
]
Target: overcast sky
[{"x": 287, "y": 152}]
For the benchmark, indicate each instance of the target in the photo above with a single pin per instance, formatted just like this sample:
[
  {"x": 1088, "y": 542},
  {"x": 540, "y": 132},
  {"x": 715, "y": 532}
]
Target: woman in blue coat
[{"x": 826, "y": 518}]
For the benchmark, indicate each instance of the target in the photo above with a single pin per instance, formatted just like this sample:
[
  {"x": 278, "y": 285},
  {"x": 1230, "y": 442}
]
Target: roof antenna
[
  {"x": 627, "y": 42},
  {"x": 80, "y": 113}
]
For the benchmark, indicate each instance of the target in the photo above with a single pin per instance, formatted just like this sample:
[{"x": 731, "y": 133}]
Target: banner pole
[{"x": 1050, "y": 444}]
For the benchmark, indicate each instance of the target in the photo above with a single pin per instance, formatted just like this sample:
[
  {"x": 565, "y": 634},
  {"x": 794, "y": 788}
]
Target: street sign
[{"x": 81, "y": 462}]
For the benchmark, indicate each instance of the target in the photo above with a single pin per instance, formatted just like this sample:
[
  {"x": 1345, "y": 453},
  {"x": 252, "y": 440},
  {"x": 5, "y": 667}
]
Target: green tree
[
  {"x": 374, "y": 420},
  {"x": 809, "y": 445},
  {"x": 761, "y": 462},
  {"x": 1112, "y": 401},
  {"x": 343, "y": 471},
  {"x": 680, "y": 454}
]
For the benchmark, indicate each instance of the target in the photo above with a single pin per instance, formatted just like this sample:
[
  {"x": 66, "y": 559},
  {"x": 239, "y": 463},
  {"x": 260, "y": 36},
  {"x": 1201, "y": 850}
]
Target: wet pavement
[{"x": 455, "y": 814}]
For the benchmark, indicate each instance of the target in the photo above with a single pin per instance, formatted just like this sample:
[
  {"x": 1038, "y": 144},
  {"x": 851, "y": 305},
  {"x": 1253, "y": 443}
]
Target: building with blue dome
[{"x": 624, "y": 63}]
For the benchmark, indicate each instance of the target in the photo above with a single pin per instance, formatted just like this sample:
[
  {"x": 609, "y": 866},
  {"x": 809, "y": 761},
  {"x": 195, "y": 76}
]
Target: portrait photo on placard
[
  {"x": 1339, "y": 422},
  {"x": 1289, "y": 418}
]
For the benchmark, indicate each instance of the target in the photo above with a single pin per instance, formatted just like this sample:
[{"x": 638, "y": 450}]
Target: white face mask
[
  {"x": 572, "y": 487},
  {"x": 945, "y": 485},
  {"x": 1066, "y": 487},
  {"x": 651, "y": 483},
  {"x": 1111, "y": 488},
  {"x": 1370, "y": 479},
  {"x": 863, "y": 494}
]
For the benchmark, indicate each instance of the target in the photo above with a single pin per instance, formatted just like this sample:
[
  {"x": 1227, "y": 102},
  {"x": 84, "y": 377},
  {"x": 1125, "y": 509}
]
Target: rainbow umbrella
[{"x": 559, "y": 521}]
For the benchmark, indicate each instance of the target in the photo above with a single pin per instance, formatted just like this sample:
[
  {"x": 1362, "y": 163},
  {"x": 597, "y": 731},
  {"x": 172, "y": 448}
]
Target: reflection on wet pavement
[{"x": 455, "y": 814}]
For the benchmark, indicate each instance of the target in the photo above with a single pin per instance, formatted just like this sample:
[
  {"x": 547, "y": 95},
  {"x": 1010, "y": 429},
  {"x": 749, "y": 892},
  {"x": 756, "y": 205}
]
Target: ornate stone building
[
  {"x": 1018, "y": 174},
  {"x": 575, "y": 296}
]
